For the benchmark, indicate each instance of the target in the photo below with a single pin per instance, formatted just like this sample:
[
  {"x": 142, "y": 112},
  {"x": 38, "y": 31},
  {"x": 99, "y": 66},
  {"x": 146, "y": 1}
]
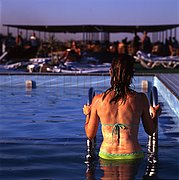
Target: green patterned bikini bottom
[{"x": 134, "y": 155}]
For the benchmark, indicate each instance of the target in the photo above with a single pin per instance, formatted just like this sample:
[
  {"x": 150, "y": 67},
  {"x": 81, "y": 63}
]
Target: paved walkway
[{"x": 171, "y": 81}]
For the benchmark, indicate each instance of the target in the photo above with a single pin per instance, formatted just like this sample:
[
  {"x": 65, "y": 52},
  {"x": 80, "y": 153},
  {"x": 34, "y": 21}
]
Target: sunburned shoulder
[
  {"x": 142, "y": 98},
  {"x": 143, "y": 95},
  {"x": 97, "y": 97},
  {"x": 138, "y": 95},
  {"x": 96, "y": 100}
]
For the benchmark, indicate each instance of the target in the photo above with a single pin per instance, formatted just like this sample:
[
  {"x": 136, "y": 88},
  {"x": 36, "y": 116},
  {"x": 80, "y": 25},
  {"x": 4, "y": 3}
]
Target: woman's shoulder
[
  {"x": 138, "y": 95},
  {"x": 96, "y": 100},
  {"x": 142, "y": 98},
  {"x": 98, "y": 96}
]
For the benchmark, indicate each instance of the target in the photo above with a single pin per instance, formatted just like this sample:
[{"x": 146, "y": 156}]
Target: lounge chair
[
  {"x": 149, "y": 61},
  {"x": 3, "y": 55}
]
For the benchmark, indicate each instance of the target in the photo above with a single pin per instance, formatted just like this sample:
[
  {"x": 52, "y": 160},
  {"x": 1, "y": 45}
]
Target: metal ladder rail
[
  {"x": 90, "y": 143},
  {"x": 152, "y": 167},
  {"x": 90, "y": 156},
  {"x": 153, "y": 140}
]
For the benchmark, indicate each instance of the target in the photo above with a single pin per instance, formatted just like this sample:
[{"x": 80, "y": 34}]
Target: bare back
[{"x": 128, "y": 115}]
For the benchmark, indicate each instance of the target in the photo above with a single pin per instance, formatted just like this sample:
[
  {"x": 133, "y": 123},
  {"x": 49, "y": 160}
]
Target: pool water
[{"x": 42, "y": 136}]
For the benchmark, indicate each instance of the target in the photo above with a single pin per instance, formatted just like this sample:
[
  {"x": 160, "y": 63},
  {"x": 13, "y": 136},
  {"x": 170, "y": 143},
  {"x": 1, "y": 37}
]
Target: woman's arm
[
  {"x": 149, "y": 120},
  {"x": 92, "y": 119}
]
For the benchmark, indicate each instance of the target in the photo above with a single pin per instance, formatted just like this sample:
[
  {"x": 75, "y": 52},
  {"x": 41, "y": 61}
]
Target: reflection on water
[
  {"x": 125, "y": 169},
  {"x": 151, "y": 170}
]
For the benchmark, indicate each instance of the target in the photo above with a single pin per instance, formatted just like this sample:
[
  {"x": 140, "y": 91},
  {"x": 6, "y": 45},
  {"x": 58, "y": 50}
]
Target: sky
[{"x": 89, "y": 12}]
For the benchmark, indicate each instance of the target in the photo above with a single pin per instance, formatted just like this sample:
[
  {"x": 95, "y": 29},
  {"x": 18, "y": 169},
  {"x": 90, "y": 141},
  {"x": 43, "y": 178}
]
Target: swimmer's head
[{"x": 121, "y": 72}]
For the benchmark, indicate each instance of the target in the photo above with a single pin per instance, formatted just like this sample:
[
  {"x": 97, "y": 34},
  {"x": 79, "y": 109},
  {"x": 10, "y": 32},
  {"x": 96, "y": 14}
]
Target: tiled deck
[
  {"x": 171, "y": 81},
  {"x": 168, "y": 87}
]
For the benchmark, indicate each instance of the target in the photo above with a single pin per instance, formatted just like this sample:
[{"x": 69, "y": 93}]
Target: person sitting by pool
[
  {"x": 72, "y": 54},
  {"x": 119, "y": 110}
]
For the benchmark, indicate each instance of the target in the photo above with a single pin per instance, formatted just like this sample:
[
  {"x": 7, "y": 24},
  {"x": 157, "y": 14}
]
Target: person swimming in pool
[{"x": 119, "y": 110}]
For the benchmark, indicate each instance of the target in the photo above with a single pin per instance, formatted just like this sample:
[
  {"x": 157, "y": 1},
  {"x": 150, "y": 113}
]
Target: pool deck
[{"x": 171, "y": 81}]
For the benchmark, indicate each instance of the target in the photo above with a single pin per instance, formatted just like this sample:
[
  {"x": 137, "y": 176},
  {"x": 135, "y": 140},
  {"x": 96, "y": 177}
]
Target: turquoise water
[{"x": 42, "y": 136}]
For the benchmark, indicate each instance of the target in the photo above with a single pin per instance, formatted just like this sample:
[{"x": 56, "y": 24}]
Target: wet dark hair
[{"x": 122, "y": 71}]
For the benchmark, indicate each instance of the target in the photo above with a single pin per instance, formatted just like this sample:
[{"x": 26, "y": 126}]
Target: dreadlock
[{"x": 122, "y": 71}]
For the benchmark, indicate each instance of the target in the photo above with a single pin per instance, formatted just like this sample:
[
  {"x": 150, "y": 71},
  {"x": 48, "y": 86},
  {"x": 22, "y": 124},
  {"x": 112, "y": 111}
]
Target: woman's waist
[
  {"x": 122, "y": 139},
  {"x": 121, "y": 147}
]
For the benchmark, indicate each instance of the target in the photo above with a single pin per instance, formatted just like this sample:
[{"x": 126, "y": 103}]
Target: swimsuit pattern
[{"x": 116, "y": 131}]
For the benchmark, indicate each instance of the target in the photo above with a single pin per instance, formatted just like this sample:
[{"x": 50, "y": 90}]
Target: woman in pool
[{"x": 119, "y": 110}]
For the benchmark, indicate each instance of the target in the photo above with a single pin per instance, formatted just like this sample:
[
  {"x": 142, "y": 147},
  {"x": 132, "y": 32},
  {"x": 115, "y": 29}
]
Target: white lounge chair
[{"x": 150, "y": 61}]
